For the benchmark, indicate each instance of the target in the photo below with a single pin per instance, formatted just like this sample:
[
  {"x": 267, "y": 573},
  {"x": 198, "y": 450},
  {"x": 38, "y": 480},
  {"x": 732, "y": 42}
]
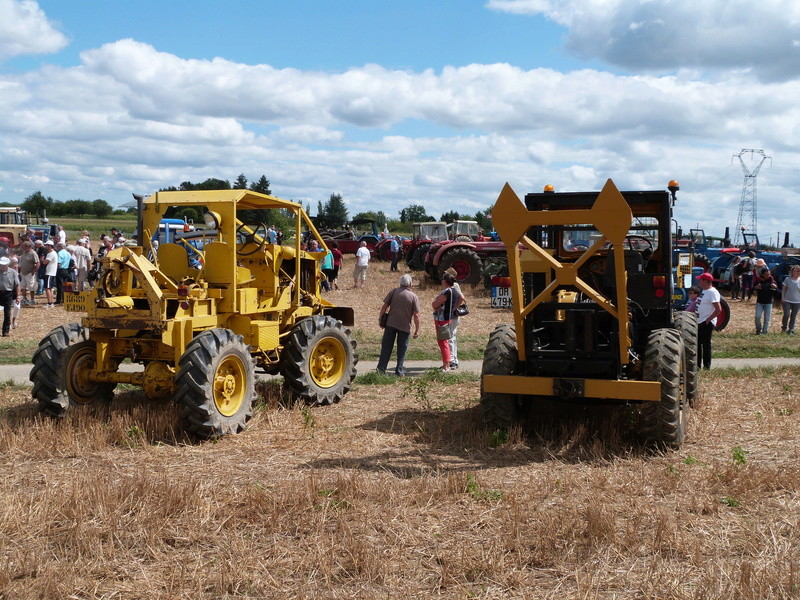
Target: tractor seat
[{"x": 173, "y": 261}]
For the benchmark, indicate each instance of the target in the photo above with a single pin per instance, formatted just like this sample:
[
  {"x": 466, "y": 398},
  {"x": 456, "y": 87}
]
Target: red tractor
[{"x": 424, "y": 234}]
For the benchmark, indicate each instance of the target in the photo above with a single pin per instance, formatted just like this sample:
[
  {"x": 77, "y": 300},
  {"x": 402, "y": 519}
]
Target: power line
[{"x": 748, "y": 209}]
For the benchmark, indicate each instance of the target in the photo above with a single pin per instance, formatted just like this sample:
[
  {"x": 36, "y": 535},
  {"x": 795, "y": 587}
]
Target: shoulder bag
[{"x": 385, "y": 316}]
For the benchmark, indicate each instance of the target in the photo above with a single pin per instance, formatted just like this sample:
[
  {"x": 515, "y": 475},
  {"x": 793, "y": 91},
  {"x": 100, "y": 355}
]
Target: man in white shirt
[
  {"x": 51, "y": 269},
  {"x": 362, "y": 261},
  {"x": 83, "y": 260},
  {"x": 707, "y": 310}
]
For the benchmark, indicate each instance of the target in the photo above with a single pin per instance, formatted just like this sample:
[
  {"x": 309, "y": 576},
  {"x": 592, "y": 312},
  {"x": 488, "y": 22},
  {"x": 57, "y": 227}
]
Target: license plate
[
  {"x": 75, "y": 301},
  {"x": 501, "y": 297}
]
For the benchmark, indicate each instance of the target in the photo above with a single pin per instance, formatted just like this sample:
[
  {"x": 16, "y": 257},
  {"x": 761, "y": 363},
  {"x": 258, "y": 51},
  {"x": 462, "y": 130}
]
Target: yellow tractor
[
  {"x": 593, "y": 319},
  {"x": 199, "y": 315}
]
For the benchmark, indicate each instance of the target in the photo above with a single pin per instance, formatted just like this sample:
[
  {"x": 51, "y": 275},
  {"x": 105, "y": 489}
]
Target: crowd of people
[
  {"x": 748, "y": 276},
  {"x": 37, "y": 272}
]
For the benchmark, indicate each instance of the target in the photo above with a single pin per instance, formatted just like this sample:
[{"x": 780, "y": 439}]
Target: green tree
[
  {"x": 240, "y": 183},
  {"x": 379, "y": 217},
  {"x": 450, "y": 216},
  {"x": 414, "y": 213},
  {"x": 78, "y": 207},
  {"x": 484, "y": 220},
  {"x": 261, "y": 186},
  {"x": 101, "y": 208},
  {"x": 37, "y": 204},
  {"x": 336, "y": 211}
]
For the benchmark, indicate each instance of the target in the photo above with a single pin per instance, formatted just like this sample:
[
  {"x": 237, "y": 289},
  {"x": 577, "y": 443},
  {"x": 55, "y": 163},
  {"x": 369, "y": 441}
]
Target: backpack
[{"x": 743, "y": 267}]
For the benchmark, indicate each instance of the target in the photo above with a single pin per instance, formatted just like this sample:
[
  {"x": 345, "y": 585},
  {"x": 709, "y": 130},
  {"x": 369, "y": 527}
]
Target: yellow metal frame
[
  {"x": 250, "y": 295},
  {"x": 610, "y": 215}
]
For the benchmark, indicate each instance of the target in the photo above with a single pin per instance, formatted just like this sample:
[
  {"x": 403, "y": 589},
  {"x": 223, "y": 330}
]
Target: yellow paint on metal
[
  {"x": 80, "y": 385},
  {"x": 327, "y": 362},
  {"x": 621, "y": 389},
  {"x": 229, "y": 383},
  {"x": 610, "y": 215}
]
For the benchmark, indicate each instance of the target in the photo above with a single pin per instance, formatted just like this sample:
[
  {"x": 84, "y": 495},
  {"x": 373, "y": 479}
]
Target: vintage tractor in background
[
  {"x": 592, "y": 321},
  {"x": 423, "y": 235},
  {"x": 199, "y": 334}
]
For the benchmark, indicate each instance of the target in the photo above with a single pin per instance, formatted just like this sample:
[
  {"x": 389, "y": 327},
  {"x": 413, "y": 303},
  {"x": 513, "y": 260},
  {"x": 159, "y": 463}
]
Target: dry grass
[
  {"x": 387, "y": 496},
  {"x": 398, "y": 492}
]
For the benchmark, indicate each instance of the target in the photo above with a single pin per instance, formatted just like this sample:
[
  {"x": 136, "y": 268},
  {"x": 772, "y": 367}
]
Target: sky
[{"x": 397, "y": 102}]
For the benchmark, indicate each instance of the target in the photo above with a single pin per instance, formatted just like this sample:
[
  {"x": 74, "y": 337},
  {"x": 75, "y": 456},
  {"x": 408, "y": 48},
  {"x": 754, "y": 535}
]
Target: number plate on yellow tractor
[{"x": 76, "y": 301}]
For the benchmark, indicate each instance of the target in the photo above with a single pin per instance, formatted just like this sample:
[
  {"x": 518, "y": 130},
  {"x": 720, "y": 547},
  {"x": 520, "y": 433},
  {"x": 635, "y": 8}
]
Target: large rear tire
[
  {"x": 701, "y": 260},
  {"x": 216, "y": 384},
  {"x": 664, "y": 422},
  {"x": 467, "y": 265},
  {"x": 724, "y": 317},
  {"x": 686, "y": 324},
  {"x": 61, "y": 364},
  {"x": 500, "y": 411},
  {"x": 319, "y": 360}
]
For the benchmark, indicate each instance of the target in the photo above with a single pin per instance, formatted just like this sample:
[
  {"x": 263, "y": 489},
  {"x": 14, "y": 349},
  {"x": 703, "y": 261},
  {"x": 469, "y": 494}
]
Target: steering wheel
[
  {"x": 642, "y": 238},
  {"x": 260, "y": 231}
]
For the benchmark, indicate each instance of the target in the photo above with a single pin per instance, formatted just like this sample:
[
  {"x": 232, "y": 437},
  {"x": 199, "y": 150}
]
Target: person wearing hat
[
  {"x": 707, "y": 310},
  {"x": 50, "y": 261},
  {"x": 83, "y": 261},
  {"x": 9, "y": 292},
  {"x": 444, "y": 305},
  {"x": 454, "y": 321}
]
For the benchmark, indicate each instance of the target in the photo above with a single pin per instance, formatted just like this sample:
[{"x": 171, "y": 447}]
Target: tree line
[
  {"x": 37, "y": 204},
  {"x": 331, "y": 214}
]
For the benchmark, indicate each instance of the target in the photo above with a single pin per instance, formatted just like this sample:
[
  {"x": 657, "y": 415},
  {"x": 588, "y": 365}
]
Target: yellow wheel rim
[
  {"x": 327, "y": 362},
  {"x": 79, "y": 387},
  {"x": 229, "y": 386}
]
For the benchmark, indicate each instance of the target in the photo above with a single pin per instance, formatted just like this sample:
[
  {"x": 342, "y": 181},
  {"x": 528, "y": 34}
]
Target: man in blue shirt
[
  {"x": 394, "y": 248},
  {"x": 64, "y": 273}
]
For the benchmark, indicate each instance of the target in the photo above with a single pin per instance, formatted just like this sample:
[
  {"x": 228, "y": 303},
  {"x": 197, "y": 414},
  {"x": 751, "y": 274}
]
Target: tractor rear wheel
[
  {"x": 216, "y": 384},
  {"x": 664, "y": 422},
  {"x": 701, "y": 260},
  {"x": 724, "y": 317},
  {"x": 319, "y": 360},
  {"x": 467, "y": 265},
  {"x": 500, "y": 411},
  {"x": 686, "y": 324},
  {"x": 61, "y": 363}
]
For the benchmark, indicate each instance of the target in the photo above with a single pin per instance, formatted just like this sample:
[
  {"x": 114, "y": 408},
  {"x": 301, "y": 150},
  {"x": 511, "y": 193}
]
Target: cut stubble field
[{"x": 399, "y": 492}]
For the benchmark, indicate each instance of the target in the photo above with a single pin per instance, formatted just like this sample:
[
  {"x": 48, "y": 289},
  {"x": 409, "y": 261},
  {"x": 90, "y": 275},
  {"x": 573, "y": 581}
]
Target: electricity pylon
[{"x": 748, "y": 211}]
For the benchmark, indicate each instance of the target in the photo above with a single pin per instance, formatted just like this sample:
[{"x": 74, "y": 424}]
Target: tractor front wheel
[
  {"x": 319, "y": 360},
  {"x": 500, "y": 411},
  {"x": 664, "y": 421},
  {"x": 686, "y": 324},
  {"x": 417, "y": 261},
  {"x": 60, "y": 372},
  {"x": 216, "y": 384}
]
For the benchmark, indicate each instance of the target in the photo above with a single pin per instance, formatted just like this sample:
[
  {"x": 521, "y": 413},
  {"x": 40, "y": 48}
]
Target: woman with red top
[{"x": 337, "y": 263}]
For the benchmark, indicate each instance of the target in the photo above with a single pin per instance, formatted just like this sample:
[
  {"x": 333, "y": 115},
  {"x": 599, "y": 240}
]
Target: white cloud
[
  {"x": 25, "y": 29},
  {"x": 131, "y": 118},
  {"x": 666, "y": 35}
]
